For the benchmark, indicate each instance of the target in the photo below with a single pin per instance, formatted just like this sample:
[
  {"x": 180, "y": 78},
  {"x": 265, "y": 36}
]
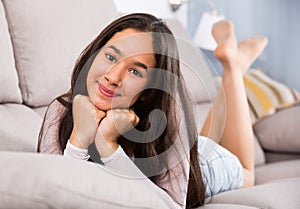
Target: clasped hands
[{"x": 94, "y": 125}]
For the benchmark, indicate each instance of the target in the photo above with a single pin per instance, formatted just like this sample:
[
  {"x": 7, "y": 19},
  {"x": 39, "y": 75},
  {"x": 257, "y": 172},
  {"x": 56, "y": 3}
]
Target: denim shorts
[{"x": 221, "y": 170}]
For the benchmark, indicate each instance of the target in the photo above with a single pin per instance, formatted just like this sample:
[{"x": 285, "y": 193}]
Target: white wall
[{"x": 159, "y": 8}]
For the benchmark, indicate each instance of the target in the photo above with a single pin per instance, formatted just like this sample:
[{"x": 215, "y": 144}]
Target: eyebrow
[
  {"x": 116, "y": 50},
  {"x": 141, "y": 65}
]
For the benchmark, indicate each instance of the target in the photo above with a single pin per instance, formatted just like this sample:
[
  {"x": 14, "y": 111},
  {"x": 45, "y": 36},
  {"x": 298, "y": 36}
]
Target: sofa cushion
[
  {"x": 266, "y": 96},
  {"x": 194, "y": 67},
  {"x": 201, "y": 111},
  {"x": 259, "y": 155},
  {"x": 226, "y": 206},
  {"x": 277, "y": 170},
  {"x": 19, "y": 128},
  {"x": 279, "y": 194},
  {"x": 280, "y": 156},
  {"x": 41, "y": 110},
  {"x": 9, "y": 82},
  {"x": 48, "y": 36},
  {"x": 280, "y": 132},
  {"x": 54, "y": 181}
]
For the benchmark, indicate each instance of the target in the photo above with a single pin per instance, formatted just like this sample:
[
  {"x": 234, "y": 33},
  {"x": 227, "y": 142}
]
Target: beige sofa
[{"x": 40, "y": 40}]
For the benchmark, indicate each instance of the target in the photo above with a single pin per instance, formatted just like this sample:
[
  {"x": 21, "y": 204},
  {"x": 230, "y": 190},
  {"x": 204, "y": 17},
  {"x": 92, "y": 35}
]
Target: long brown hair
[{"x": 167, "y": 58}]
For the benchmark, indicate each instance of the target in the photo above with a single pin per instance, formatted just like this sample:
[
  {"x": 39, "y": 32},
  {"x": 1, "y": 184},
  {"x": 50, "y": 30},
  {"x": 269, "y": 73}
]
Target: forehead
[{"x": 132, "y": 42}]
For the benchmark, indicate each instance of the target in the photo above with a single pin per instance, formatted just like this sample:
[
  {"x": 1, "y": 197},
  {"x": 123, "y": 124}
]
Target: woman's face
[{"x": 121, "y": 70}]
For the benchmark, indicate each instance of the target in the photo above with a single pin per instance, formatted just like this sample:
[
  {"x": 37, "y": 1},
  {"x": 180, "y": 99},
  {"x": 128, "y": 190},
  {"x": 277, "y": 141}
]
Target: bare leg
[{"x": 229, "y": 120}]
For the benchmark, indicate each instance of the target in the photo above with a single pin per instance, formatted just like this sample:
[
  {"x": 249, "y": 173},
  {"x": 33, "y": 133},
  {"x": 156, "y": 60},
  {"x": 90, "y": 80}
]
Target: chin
[
  {"x": 106, "y": 105},
  {"x": 103, "y": 107}
]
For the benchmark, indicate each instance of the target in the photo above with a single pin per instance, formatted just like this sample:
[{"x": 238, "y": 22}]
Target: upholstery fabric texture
[
  {"x": 273, "y": 171},
  {"x": 17, "y": 134},
  {"x": 226, "y": 206},
  {"x": 44, "y": 171},
  {"x": 280, "y": 132},
  {"x": 38, "y": 34},
  {"x": 195, "y": 70},
  {"x": 40, "y": 41},
  {"x": 276, "y": 195},
  {"x": 266, "y": 95},
  {"x": 9, "y": 82}
]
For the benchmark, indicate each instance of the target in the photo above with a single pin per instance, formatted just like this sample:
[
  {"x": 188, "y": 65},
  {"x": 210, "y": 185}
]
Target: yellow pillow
[{"x": 266, "y": 95}]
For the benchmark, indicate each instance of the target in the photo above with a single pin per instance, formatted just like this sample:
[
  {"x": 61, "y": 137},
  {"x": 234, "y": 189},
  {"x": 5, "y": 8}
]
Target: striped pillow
[{"x": 266, "y": 95}]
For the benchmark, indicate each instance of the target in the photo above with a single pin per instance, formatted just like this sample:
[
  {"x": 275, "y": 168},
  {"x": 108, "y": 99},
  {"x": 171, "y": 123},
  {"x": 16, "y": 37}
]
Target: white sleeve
[
  {"x": 72, "y": 151},
  {"x": 122, "y": 164},
  {"x": 118, "y": 160}
]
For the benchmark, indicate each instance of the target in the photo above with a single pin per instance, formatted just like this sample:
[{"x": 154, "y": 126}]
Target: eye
[
  {"x": 111, "y": 58},
  {"x": 136, "y": 72}
]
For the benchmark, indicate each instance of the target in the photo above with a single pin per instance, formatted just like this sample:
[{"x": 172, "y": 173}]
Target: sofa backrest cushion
[
  {"x": 48, "y": 36},
  {"x": 9, "y": 82},
  {"x": 194, "y": 67}
]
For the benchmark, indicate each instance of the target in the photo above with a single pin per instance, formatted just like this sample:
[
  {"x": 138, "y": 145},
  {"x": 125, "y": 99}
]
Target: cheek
[
  {"x": 133, "y": 89},
  {"x": 96, "y": 72},
  {"x": 90, "y": 80},
  {"x": 98, "y": 67}
]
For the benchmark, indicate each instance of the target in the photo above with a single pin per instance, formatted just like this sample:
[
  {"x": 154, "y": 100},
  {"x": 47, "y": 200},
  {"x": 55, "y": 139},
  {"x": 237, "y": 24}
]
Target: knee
[{"x": 249, "y": 178}]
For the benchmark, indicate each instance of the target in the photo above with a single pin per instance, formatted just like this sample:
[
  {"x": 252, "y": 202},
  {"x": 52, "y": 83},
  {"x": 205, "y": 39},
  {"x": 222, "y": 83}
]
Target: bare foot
[
  {"x": 230, "y": 54},
  {"x": 250, "y": 49},
  {"x": 227, "y": 49}
]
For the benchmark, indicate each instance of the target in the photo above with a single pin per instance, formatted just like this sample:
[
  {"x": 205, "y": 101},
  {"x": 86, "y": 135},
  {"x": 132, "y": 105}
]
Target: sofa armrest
[{"x": 34, "y": 180}]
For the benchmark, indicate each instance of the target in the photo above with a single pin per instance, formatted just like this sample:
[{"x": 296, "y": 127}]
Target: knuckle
[
  {"x": 137, "y": 120},
  {"x": 77, "y": 97},
  {"x": 109, "y": 114},
  {"x": 102, "y": 114}
]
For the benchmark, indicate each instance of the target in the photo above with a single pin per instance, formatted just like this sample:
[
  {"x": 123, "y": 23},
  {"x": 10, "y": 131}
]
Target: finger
[
  {"x": 82, "y": 101},
  {"x": 121, "y": 113},
  {"x": 137, "y": 120},
  {"x": 109, "y": 114},
  {"x": 77, "y": 97},
  {"x": 99, "y": 115},
  {"x": 134, "y": 119},
  {"x": 114, "y": 115},
  {"x": 80, "y": 97}
]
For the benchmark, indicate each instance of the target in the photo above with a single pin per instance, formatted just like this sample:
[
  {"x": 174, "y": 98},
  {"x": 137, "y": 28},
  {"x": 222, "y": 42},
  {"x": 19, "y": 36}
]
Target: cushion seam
[{"x": 18, "y": 66}]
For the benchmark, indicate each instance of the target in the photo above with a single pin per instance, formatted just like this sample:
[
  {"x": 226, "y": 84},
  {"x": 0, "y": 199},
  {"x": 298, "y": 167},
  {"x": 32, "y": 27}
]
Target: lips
[{"x": 106, "y": 92}]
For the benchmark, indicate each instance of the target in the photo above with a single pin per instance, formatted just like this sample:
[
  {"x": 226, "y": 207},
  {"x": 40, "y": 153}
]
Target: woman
[{"x": 117, "y": 83}]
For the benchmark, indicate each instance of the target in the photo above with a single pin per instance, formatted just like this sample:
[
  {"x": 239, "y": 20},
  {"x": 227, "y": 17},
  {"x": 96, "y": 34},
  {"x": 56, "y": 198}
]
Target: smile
[{"x": 106, "y": 92}]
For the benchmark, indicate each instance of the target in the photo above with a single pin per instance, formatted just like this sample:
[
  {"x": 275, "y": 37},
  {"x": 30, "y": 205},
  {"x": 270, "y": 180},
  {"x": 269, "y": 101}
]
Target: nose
[{"x": 115, "y": 75}]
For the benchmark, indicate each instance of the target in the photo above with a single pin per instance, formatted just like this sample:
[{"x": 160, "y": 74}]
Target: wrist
[
  {"x": 72, "y": 151},
  {"x": 74, "y": 140},
  {"x": 106, "y": 147}
]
